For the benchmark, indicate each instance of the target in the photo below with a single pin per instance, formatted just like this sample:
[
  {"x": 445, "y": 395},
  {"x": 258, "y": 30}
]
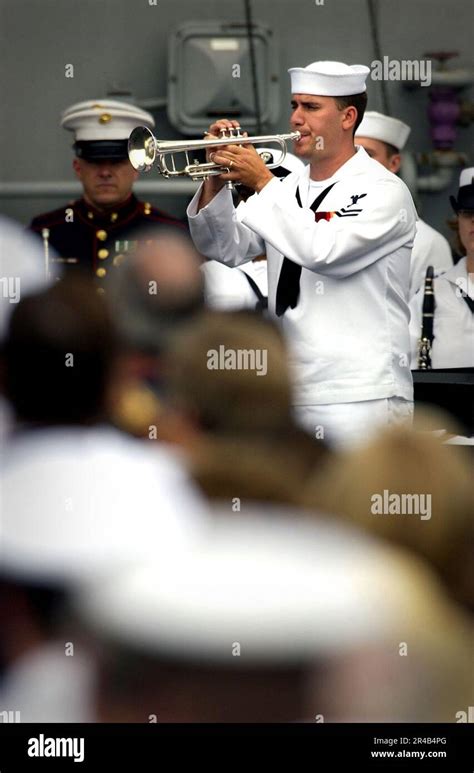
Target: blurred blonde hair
[
  {"x": 404, "y": 461},
  {"x": 230, "y": 401}
]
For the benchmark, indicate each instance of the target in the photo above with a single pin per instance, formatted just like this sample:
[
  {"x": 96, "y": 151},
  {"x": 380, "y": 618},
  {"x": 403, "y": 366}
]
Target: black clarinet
[{"x": 426, "y": 341}]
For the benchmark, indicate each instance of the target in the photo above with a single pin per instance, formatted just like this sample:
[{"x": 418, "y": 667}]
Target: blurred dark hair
[
  {"x": 391, "y": 149},
  {"x": 58, "y": 355}
]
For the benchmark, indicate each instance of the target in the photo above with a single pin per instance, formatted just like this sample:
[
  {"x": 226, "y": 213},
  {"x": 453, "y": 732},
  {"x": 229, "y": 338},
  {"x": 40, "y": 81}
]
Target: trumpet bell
[{"x": 142, "y": 149}]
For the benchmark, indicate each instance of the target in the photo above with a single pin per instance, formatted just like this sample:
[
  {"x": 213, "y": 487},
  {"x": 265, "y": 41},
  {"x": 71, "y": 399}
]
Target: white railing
[{"x": 56, "y": 189}]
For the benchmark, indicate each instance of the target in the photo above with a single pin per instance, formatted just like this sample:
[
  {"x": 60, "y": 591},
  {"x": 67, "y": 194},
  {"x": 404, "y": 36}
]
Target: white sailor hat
[
  {"x": 466, "y": 177},
  {"x": 283, "y": 590},
  {"x": 289, "y": 164},
  {"x": 465, "y": 197},
  {"x": 102, "y": 127},
  {"x": 377, "y": 126},
  {"x": 67, "y": 498},
  {"x": 329, "y": 79}
]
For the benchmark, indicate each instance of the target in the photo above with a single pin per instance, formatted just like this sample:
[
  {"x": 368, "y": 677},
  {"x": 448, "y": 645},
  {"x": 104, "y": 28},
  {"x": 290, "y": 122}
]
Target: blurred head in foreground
[
  {"x": 229, "y": 395},
  {"x": 158, "y": 289},
  {"x": 59, "y": 356},
  {"x": 409, "y": 487},
  {"x": 22, "y": 272},
  {"x": 160, "y": 286}
]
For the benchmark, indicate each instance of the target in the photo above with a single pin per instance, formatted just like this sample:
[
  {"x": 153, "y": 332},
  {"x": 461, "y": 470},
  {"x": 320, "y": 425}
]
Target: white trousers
[{"x": 347, "y": 425}]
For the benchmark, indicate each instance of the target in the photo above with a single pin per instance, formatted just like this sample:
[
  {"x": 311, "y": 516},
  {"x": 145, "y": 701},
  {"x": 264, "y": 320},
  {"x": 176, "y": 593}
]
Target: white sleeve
[
  {"x": 416, "y": 305},
  {"x": 226, "y": 288},
  {"x": 217, "y": 232},
  {"x": 342, "y": 245},
  {"x": 429, "y": 248}
]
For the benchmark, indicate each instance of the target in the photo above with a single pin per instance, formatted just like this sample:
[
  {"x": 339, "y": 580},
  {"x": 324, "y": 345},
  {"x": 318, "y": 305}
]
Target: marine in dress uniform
[
  {"x": 453, "y": 322},
  {"x": 384, "y": 138},
  {"x": 96, "y": 232},
  {"x": 338, "y": 240}
]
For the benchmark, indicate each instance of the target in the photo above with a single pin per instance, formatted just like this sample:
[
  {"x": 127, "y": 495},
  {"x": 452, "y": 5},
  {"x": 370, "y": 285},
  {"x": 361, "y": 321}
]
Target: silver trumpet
[{"x": 144, "y": 149}]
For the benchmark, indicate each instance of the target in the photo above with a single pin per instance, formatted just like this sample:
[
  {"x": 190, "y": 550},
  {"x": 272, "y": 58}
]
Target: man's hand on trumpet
[
  {"x": 215, "y": 130},
  {"x": 245, "y": 166},
  {"x": 214, "y": 184},
  {"x": 243, "y": 161}
]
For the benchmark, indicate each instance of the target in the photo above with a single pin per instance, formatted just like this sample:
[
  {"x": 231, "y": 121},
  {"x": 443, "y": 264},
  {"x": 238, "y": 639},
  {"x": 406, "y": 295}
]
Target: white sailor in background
[
  {"x": 384, "y": 138},
  {"x": 338, "y": 240},
  {"x": 452, "y": 343},
  {"x": 245, "y": 287}
]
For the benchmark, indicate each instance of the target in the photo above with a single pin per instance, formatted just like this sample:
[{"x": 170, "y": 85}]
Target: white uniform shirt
[
  {"x": 228, "y": 288},
  {"x": 348, "y": 335},
  {"x": 453, "y": 328},
  {"x": 45, "y": 686},
  {"x": 429, "y": 249}
]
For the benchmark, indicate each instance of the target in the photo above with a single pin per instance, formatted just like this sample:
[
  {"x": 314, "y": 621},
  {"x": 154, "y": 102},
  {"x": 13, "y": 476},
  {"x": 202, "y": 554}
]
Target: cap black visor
[{"x": 102, "y": 150}]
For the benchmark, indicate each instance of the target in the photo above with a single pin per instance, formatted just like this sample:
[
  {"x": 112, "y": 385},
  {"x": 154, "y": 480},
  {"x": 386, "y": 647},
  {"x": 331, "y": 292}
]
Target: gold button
[
  {"x": 113, "y": 217},
  {"x": 118, "y": 260},
  {"x": 147, "y": 208},
  {"x": 101, "y": 272},
  {"x": 102, "y": 235},
  {"x": 90, "y": 215},
  {"x": 103, "y": 254}
]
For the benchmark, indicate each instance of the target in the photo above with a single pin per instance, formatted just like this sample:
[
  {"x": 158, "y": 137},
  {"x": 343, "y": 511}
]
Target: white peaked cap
[
  {"x": 466, "y": 177},
  {"x": 285, "y": 590},
  {"x": 104, "y": 119},
  {"x": 329, "y": 79},
  {"x": 377, "y": 126}
]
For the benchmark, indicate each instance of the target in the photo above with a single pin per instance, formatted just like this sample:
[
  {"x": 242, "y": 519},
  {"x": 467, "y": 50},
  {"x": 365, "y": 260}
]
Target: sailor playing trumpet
[{"x": 338, "y": 238}]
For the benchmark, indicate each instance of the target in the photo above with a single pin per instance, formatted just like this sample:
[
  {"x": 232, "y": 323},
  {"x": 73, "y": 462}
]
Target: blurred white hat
[
  {"x": 377, "y": 126},
  {"x": 465, "y": 196},
  {"x": 22, "y": 268},
  {"x": 78, "y": 500},
  {"x": 466, "y": 177},
  {"x": 280, "y": 589}
]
